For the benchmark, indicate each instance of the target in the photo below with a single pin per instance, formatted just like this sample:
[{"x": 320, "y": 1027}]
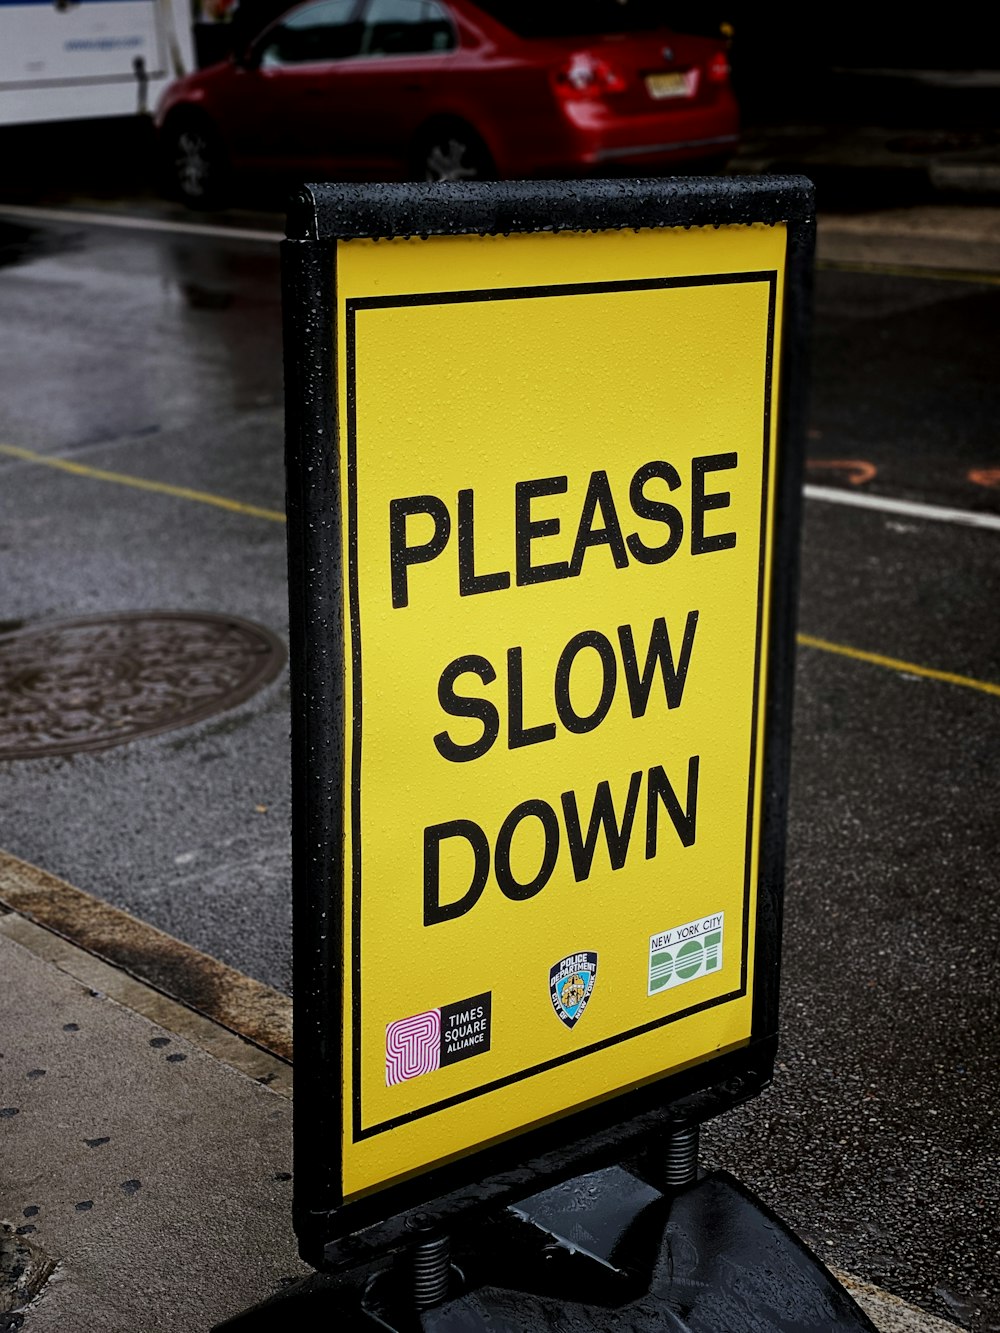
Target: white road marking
[
  {"x": 129, "y": 222},
  {"x": 911, "y": 508}
]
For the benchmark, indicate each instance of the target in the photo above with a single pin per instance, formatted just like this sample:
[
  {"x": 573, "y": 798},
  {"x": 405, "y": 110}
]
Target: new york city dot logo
[
  {"x": 571, "y": 984},
  {"x": 685, "y": 953},
  {"x": 437, "y": 1037}
]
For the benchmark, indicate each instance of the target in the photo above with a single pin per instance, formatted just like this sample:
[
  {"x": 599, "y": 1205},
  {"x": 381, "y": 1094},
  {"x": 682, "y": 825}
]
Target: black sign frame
[{"x": 334, "y": 1234}]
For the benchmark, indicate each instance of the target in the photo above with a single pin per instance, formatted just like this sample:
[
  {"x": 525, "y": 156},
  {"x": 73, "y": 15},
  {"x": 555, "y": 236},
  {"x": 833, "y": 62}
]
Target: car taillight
[
  {"x": 718, "y": 68},
  {"x": 586, "y": 75}
]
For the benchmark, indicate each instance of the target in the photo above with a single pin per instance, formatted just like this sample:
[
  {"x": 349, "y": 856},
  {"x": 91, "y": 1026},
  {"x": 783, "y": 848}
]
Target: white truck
[{"x": 77, "y": 59}]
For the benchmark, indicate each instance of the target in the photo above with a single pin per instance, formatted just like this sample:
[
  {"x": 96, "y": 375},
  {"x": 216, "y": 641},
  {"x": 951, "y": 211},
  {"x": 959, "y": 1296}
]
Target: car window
[
  {"x": 406, "y": 27},
  {"x": 324, "y": 31},
  {"x": 576, "y": 18}
]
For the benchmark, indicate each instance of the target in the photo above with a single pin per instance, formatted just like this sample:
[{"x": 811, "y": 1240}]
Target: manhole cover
[{"x": 88, "y": 684}]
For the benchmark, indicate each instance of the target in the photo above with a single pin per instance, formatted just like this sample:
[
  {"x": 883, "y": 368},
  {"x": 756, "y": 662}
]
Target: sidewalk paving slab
[{"x": 155, "y": 1177}]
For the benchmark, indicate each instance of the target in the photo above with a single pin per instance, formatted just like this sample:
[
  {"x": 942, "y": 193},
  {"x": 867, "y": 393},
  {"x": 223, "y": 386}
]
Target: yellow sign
[{"x": 556, "y": 453}]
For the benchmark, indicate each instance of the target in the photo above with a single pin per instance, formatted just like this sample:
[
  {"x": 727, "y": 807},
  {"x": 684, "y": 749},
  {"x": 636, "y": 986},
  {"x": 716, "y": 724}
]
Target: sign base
[{"x": 606, "y": 1251}]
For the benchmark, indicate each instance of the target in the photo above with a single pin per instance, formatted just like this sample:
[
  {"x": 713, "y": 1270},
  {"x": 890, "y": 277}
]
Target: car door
[
  {"x": 297, "y": 113},
  {"x": 408, "y": 50}
]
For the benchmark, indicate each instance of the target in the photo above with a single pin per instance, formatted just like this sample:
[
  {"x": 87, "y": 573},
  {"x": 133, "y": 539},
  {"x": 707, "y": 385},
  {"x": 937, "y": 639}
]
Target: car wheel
[
  {"x": 452, "y": 152},
  {"x": 195, "y": 163}
]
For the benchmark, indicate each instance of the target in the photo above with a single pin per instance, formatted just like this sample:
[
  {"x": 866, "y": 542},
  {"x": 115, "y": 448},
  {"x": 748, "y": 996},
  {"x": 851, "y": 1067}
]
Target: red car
[{"x": 427, "y": 90}]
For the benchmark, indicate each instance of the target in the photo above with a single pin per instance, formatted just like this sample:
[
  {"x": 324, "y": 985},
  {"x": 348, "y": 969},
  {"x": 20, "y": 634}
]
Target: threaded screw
[
  {"x": 680, "y": 1160},
  {"x": 431, "y": 1261}
]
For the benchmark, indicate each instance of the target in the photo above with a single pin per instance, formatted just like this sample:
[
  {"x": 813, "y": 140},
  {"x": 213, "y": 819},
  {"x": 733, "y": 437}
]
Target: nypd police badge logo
[{"x": 571, "y": 984}]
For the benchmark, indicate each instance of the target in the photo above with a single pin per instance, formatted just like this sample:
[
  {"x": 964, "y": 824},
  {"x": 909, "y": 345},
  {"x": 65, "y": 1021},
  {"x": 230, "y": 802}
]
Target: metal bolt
[{"x": 431, "y": 1261}]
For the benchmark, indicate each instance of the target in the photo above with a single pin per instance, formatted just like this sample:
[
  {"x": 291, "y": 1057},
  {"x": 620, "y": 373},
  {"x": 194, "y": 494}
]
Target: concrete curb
[
  {"x": 890, "y": 1313},
  {"x": 253, "y": 1011},
  {"x": 133, "y": 994}
]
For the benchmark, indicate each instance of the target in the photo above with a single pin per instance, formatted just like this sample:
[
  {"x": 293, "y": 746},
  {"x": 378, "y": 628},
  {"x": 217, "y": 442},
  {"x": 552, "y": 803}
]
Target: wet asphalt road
[{"x": 158, "y": 357}]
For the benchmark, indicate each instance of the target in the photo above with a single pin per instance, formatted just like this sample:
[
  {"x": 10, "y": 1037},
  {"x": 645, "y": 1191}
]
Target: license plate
[{"x": 669, "y": 85}]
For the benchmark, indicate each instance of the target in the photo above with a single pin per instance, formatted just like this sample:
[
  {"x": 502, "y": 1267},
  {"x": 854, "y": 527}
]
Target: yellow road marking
[
  {"x": 894, "y": 664},
  {"x": 910, "y": 271},
  {"x": 140, "y": 484},
  {"x": 275, "y": 516}
]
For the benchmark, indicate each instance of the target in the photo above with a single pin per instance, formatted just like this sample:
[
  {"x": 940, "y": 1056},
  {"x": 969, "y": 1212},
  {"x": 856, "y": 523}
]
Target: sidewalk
[
  {"x": 850, "y": 163},
  {"x": 960, "y": 239},
  {"x": 869, "y": 137},
  {"x": 150, "y": 1178},
  {"x": 147, "y": 1149}
]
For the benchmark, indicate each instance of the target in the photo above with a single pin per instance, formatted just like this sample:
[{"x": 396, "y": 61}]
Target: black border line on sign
[{"x": 352, "y": 305}]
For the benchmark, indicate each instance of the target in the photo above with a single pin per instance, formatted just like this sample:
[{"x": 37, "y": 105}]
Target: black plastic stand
[{"x": 606, "y": 1252}]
